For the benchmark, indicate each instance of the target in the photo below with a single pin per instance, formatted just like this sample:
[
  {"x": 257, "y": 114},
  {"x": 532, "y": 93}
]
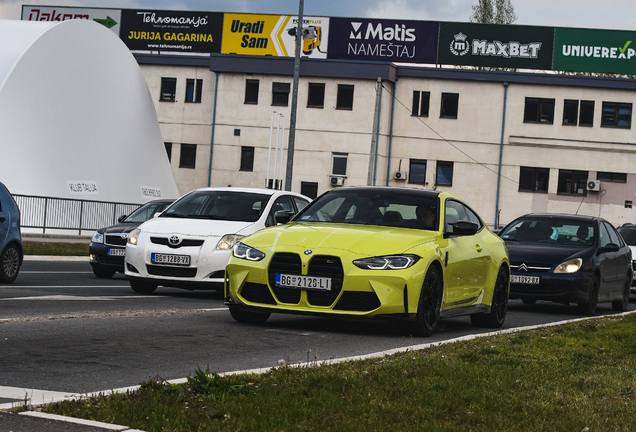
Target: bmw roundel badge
[{"x": 308, "y": 252}]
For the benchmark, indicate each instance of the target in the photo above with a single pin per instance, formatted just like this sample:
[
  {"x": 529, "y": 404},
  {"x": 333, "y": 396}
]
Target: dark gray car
[{"x": 11, "y": 250}]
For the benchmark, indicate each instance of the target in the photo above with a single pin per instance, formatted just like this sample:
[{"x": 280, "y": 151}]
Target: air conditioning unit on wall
[
  {"x": 337, "y": 181},
  {"x": 594, "y": 185},
  {"x": 399, "y": 175}
]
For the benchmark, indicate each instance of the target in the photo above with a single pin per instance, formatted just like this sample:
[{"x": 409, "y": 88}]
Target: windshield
[
  {"x": 629, "y": 234},
  {"x": 219, "y": 205},
  {"x": 146, "y": 211},
  {"x": 550, "y": 231},
  {"x": 407, "y": 209}
]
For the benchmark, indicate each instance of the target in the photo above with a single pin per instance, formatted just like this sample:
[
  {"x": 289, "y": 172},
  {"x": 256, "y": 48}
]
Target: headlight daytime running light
[
  {"x": 228, "y": 241},
  {"x": 98, "y": 238},
  {"x": 388, "y": 262},
  {"x": 133, "y": 237},
  {"x": 569, "y": 266},
  {"x": 243, "y": 251}
]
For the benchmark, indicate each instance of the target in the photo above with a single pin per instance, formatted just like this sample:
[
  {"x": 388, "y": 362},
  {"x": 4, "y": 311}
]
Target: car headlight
[
  {"x": 228, "y": 241},
  {"x": 133, "y": 237},
  {"x": 389, "y": 262},
  {"x": 570, "y": 266},
  {"x": 243, "y": 251},
  {"x": 98, "y": 238}
]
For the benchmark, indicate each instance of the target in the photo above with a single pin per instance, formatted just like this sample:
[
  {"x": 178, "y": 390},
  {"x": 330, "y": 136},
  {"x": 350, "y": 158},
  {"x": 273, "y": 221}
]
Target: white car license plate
[
  {"x": 116, "y": 252},
  {"x": 158, "y": 258},
  {"x": 303, "y": 282},
  {"x": 530, "y": 280}
]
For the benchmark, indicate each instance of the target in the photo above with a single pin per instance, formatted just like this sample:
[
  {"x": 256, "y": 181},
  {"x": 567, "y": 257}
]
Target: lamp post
[{"x": 294, "y": 106}]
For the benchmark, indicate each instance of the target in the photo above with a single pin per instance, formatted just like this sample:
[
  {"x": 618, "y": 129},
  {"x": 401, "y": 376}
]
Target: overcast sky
[{"x": 607, "y": 14}]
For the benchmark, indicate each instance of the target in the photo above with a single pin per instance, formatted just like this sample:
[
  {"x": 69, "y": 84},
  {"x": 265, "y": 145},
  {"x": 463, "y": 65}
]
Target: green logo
[{"x": 108, "y": 22}]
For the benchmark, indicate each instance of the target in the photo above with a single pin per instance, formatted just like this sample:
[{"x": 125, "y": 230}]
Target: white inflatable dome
[{"x": 76, "y": 117}]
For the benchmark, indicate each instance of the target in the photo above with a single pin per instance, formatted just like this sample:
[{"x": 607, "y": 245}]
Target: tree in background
[{"x": 493, "y": 12}]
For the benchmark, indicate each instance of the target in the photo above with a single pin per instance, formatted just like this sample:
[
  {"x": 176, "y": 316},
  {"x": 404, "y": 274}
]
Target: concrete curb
[{"x": 54, "y": 258}]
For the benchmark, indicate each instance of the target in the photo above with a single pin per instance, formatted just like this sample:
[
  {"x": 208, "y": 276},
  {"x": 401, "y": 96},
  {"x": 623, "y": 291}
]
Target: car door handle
[{"x": 478, "y": 248}]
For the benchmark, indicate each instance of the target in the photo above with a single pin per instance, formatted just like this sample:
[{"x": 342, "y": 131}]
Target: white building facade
[{"x": 508, "y": 143}]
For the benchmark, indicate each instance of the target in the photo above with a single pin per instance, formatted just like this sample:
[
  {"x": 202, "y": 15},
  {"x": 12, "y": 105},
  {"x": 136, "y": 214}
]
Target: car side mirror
[
  {"x": 611, "y": 247},
  {"x": 283, "y": 216},
  {"x": 121, "y": 218},
  {"x": 462, "y": 228}
]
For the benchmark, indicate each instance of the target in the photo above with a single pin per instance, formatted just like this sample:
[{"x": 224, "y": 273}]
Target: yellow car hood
[{"x": 358, "y": 239}]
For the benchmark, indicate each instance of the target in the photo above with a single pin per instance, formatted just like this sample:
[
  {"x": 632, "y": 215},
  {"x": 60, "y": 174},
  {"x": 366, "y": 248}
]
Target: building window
[
  {"x": 586, "y": 114},
  {"x": 612, "y": 177},
  {"x": 316, "y": 97},
  {"x": 247, "y": 158},
  {"x": 251, "y": 91},
  {"x": 193, "y": 90},
  {"x": 345, "y": 97},
  {"x": 444, "y": 174},
  {"x": 421, "y": 101},
  {"x": 339, "y": 164},
  {"x": 168, "y": 150},
  {"x": 309, "y": 189},
  {"x": 188, "y": 156},
  {"x": 450, "y": 105},
  {"x": 417, "y": 171},
  {"x": 616, "y": 114},
  {"x": 280, "y": 94},
  {"x": 572, "y": 182},
  {"x": 570, "y": 112},
  {"x": 539, "y": 111},
  {"x": 168, "y": 89},
  {"x": 534, "y": 179}
]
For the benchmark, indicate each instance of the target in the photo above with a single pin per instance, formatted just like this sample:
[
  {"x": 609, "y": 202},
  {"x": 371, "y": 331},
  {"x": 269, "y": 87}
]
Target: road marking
[
  {"x": 288, "y": 332},
  {"x": 57, "y": 272},
  {"x": 62, "y": 286},
  {"x": 68, "y": 297}
]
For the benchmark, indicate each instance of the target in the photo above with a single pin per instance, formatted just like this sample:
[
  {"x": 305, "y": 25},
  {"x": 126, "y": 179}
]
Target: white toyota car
[{"x": 188, "y": 244}]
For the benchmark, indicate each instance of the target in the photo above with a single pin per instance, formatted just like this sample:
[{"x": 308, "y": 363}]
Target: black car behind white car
[
  {"x": 108, "y": 247},
  {"x": 568, "y": 259}
]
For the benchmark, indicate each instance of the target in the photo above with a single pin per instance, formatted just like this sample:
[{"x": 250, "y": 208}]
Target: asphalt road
[{"x": 62, "y": 330}]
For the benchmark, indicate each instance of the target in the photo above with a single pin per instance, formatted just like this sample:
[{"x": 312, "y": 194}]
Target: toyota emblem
[{"x": 174, "y": 240}]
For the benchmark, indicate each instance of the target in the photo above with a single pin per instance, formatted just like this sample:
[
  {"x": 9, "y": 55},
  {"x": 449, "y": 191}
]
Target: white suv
[{"x": 188, "y": 245}]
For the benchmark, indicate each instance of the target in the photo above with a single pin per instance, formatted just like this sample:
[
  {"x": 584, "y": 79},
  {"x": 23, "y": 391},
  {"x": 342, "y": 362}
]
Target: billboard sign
[
  {"x": 110, "y": 18},
  {"x": 601, "y": 51},
  {"x": 505, "y": 46},
  {"x": 179, "y": 31},
  {"x": 274, "y": 35},
  {"x": 383, "y": 40}
]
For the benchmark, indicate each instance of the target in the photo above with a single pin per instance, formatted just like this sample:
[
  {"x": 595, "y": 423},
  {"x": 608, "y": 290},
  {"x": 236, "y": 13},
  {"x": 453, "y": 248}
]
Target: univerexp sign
[
  {"x": 507, "y": 46},
  {"x": 161, "y": 30},
  {"x": 602, "y": 51},
  {"x": 383, "y": 40}
]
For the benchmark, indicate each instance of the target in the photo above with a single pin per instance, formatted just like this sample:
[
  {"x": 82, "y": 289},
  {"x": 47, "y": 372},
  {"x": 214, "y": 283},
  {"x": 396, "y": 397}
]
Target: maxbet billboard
[
  {"x": 506, "y": 46},
  {"x": 383, "y": 40},
  {"x": 601, "y": 51},
  {"x": 274, "y": 35}
]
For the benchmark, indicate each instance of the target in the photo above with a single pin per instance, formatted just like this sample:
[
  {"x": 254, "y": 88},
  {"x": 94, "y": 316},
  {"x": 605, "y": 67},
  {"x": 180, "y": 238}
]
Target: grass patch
[
  {"x": 56, "y": 249},
  {"x": 575, "y": 377}
]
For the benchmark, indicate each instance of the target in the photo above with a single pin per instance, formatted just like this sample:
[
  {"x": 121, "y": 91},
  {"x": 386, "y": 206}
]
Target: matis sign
[{"x": 383, "y": 40}]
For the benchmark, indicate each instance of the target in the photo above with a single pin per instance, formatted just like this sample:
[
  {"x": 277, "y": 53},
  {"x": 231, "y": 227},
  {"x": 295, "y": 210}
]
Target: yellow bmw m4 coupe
[{"x": 388, "y": 252}]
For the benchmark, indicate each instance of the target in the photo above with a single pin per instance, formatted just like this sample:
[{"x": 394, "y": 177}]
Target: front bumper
[
  {"x": 205, "y": 271},
  {"x": 559, "y": 288},
  {"x": 355, "y": 292},
  {"x": 105, "y": 256}
]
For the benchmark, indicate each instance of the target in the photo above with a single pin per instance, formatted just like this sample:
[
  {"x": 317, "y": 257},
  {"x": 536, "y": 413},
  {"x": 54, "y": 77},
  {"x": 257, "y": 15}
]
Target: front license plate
[
  {"x": 303, "y": 282},
  {"x": 158, "y": 258},
  {"x": 117, "y": 252},
  {"x": 530, "y": 280}
]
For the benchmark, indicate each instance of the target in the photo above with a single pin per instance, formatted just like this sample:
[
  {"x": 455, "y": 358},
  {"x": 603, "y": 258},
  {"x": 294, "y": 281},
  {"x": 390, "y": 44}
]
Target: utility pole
[{"x": 294, "y": 107}]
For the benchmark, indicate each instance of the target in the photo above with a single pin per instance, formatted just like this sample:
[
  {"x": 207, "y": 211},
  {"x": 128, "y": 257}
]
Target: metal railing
[{"x": 49, "y": 213}]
